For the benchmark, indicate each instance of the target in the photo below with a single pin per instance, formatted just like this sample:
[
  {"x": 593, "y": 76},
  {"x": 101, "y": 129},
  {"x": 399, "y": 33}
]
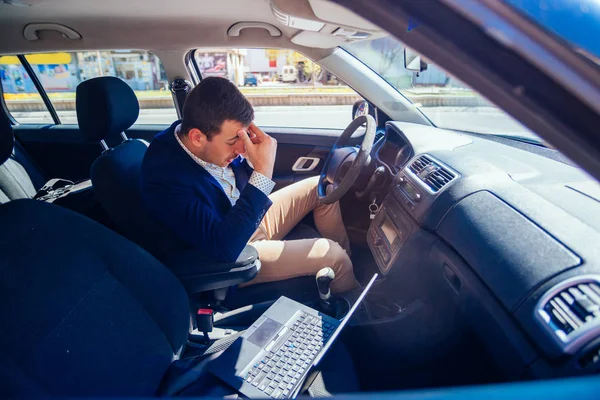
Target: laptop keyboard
[{"x": 279, "y": 371}]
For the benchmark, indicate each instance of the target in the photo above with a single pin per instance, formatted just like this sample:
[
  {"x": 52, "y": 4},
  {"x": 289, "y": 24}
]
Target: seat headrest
[
  {"x": 106, "y": 106},
  {"x": 7, "y": 137}
]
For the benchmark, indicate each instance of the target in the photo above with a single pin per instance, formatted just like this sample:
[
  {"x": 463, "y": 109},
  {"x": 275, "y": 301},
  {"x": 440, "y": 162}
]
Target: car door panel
[
  {"x": 289, "y": 154},
  {"x": 59, "y": 150},
  {"x": 292, "y": 144},
  {"x": 145, "y": 132},
  {"x": 62, "y": 152}
]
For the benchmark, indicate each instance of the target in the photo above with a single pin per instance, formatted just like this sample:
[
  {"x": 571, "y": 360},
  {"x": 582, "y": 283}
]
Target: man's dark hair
[{"x": 213, "y": 101}]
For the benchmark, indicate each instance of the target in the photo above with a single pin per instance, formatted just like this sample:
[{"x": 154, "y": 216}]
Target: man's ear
[{"x": 197, "y": 138}]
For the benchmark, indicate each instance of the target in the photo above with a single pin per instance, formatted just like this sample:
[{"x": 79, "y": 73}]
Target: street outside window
[
  {"x": 60, "y": 73},
  {"x": 285, "y": 88}
]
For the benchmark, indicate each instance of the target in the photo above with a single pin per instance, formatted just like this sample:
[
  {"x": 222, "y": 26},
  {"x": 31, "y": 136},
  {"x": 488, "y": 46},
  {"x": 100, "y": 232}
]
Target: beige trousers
[{"x": 285, "y": 259}]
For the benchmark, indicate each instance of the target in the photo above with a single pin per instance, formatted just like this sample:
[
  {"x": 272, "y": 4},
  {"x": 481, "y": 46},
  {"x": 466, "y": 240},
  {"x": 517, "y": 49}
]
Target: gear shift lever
[{"x": 324, "y": 278}]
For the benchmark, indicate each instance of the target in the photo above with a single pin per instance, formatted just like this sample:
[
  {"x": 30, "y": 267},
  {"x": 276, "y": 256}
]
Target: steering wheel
[{"x": 343, "y": 165}]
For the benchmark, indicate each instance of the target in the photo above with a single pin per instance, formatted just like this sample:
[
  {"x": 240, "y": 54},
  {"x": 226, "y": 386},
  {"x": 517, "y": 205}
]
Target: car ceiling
[{"x": 160, "y": 25}]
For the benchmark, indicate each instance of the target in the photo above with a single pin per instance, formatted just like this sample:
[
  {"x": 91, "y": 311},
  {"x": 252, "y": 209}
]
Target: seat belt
[{"x": 180, "y": 89}]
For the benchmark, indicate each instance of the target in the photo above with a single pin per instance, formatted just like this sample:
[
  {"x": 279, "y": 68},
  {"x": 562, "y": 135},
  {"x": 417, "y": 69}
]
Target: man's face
[{"x": 223, "y": 147}]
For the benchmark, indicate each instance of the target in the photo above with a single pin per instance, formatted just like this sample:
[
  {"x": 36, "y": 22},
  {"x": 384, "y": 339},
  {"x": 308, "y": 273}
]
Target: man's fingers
[
  {"x": 244, "y": 137},
  {"x": 256, "y": 130},
  {"x": 253, "y": 138}
]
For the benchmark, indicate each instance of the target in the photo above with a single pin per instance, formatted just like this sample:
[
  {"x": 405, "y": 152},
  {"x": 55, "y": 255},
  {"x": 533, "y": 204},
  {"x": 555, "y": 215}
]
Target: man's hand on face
[{"x": 260, "y": 149}]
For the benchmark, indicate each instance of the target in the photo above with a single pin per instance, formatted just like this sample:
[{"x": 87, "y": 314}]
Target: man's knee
[
  {"x": 335, "y": 257},
  {"x": 313, "y": 180},
  {"x": 338, "y": 259},
  {"x": 311, "y": 185}
]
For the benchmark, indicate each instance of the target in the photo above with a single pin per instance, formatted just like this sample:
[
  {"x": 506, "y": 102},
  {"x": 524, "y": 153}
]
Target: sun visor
[
  {"x": 313, "y": 15},
  {"x": 332, "y": 12},
  {"x": 318, "y": 40}
]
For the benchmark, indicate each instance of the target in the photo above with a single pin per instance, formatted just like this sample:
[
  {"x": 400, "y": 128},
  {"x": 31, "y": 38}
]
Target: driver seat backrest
[
  {"x": 83, "y": 310},
  {"x": 106, "y": 107}
]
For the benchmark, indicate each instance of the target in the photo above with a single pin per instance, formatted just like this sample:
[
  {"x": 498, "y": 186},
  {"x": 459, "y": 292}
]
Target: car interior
[{"x": 486, "y": 247}]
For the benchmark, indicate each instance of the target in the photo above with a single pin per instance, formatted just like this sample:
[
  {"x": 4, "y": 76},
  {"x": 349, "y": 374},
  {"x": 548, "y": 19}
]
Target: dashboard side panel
[
  {"x": 517, "y": 221},
  {"x": 496, "y": 329},
  {"x": 511, "y": 254}
]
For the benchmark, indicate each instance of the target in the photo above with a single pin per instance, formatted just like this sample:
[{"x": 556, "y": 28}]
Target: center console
[{"x": 388, "y": 232}]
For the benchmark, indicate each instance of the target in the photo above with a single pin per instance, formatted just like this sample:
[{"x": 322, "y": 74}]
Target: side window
[
  {"x": 22, "y": 99},
  {"x": 285, "y": 88},
  {"x": 60, "y": 73}
]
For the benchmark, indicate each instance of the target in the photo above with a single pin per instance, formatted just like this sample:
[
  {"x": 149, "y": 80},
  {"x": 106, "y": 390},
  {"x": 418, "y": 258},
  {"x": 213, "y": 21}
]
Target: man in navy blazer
[{"x": 208, "y": 179}]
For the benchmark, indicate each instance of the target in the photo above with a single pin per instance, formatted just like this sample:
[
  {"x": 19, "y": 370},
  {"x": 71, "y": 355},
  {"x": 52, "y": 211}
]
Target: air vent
[
  {"x": 572, "y": 309},
  {"x": 419, "y": 164},
  {"x": 431, "y": 173}
]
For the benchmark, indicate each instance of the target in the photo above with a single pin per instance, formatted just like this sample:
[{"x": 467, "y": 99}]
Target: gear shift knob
[{"x": 324, "y": 278}]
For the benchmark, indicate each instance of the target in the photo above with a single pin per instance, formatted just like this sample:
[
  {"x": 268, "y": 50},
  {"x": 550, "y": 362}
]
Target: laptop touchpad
[{"x": 265, "y": 332}]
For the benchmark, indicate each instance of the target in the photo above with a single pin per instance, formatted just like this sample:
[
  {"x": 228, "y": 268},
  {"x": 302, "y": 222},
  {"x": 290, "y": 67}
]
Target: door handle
[{"x": 305, "y": 164}]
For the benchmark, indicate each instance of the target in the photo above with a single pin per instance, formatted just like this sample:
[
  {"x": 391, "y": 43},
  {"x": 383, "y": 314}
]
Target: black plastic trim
[
  {"x": 39, "y": 87},
  {"x": 192, "y": 61},
  {"x": 5, "y": 109},
  {"x": 192, "y": 67}
]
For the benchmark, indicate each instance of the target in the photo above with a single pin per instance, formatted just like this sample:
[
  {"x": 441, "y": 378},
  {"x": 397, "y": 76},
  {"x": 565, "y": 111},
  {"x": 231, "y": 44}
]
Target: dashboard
[
  {"x": 394, "y": 152},
  {"x": 513, "y": 234}
]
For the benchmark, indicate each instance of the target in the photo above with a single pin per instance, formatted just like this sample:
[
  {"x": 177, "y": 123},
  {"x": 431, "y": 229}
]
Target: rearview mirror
[{"x": 413, "y": 62}]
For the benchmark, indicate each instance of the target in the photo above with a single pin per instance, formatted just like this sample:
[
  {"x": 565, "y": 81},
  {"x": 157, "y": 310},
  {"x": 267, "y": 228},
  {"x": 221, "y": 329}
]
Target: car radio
[{"x": 387, "y": 233}]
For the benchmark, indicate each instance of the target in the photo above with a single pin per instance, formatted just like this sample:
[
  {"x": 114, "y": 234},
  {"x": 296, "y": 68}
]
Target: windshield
[{"x": 446, "y": 101}]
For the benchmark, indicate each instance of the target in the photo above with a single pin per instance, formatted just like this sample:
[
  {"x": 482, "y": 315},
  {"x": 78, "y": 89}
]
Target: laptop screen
[{"x": 345, "y": 320}]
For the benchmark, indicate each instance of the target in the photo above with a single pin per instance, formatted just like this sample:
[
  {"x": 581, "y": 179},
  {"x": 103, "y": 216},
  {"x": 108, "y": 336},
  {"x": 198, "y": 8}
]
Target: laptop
[{"x": 274, "y": 356}]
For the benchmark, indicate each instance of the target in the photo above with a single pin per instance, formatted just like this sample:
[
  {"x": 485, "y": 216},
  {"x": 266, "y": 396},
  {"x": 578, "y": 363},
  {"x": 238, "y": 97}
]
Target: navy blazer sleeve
[{"x": 222, "y": 238}]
